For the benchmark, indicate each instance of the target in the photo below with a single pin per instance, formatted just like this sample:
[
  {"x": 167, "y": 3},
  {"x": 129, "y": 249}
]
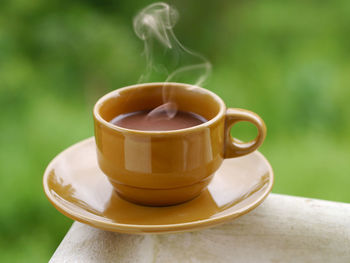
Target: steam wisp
[{"x": 154, "y": 26}]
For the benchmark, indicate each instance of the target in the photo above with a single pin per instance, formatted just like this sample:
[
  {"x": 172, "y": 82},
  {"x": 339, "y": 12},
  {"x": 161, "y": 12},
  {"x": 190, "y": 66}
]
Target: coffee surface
[{"x": 141, "y": 120}]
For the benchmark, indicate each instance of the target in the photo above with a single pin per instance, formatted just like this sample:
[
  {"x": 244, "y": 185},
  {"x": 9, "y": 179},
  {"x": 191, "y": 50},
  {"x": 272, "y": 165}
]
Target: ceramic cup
[{"x": 160, "y": 168}]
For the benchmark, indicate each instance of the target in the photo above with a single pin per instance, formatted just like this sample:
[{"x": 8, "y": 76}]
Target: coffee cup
[{"x": 160, "y": 168}]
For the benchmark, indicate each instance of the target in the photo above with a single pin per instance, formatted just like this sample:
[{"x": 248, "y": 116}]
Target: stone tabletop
[{"x": 282, "y": 229}]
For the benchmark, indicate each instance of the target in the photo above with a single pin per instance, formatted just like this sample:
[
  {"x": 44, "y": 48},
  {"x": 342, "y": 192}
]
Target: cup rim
[{"x": 114, "y": 93}]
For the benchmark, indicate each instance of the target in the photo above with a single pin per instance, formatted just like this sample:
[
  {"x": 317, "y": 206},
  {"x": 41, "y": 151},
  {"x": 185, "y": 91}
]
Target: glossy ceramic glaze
[
  {"x": 76, "y": 186},
  {"x": 167, "y": 167}
]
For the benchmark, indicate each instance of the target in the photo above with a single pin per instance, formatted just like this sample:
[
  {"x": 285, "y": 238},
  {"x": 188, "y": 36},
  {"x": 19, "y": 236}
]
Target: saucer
[{"x": 76, "y": 186}]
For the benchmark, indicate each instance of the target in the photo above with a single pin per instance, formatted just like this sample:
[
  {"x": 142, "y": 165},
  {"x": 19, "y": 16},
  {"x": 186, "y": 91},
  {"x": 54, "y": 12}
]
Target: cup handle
[{"x": 234, "y": 147}]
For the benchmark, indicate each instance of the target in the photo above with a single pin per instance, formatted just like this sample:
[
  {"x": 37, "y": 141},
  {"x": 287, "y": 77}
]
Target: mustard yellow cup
[{"x": 160, "y": 168}]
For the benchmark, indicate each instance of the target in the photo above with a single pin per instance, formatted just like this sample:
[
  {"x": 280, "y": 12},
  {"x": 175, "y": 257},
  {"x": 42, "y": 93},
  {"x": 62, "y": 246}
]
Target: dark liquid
[{"x": 140, "y": 120}]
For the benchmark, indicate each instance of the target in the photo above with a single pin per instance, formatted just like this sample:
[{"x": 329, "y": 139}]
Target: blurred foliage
[{"x": 289, "y": 61}]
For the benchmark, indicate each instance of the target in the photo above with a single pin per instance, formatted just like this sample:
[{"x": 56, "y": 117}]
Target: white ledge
[{"x": 282, "y": 229}]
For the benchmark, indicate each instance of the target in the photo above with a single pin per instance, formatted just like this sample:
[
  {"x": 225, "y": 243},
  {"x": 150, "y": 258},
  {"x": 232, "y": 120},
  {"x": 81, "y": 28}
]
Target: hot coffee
[
  {"x": 168, "y": 167},
  {"x": 141, "y": 120}
]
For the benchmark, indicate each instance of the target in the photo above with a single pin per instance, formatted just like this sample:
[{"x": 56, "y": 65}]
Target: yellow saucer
[{"x": 76, "y": 187}]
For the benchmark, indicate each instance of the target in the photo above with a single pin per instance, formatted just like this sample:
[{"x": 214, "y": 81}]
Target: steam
[{"x": 154, "y": 26}]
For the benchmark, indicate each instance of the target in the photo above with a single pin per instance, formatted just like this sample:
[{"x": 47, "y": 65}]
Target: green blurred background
[{"x": 289, "y": 61}]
